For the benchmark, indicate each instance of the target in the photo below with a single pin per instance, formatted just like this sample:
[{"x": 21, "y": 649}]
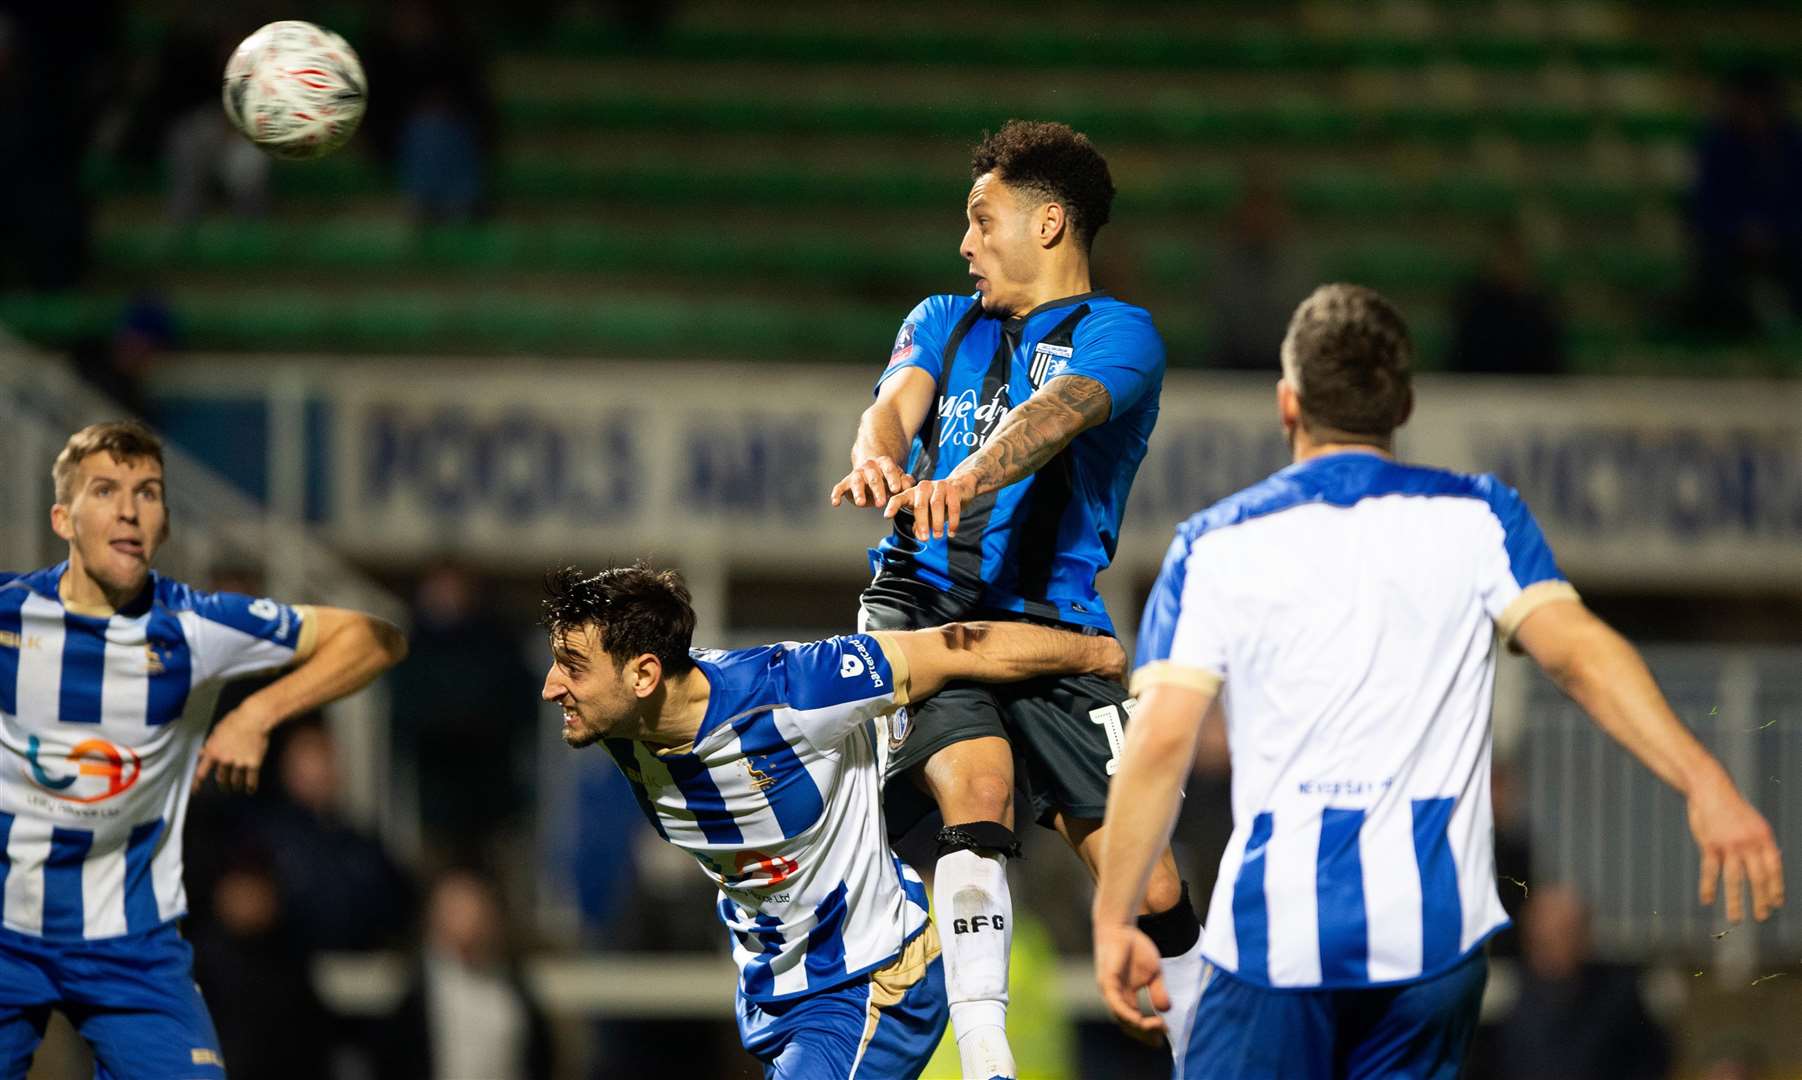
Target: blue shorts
[
  {"x": 132, "y": 998},
  {"x": 1420, "y": 1030},
  {"x": 883, "y": 1027}
]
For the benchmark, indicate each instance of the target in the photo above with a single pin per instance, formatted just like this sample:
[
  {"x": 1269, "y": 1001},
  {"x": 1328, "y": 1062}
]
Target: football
[{"x": 296, "y": 90}]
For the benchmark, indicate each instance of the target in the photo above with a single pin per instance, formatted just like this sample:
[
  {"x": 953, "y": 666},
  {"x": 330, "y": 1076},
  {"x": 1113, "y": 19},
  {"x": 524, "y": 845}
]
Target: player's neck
[
  {"x": 1067, "y": 279},
  {"x": 1306, "y": 449},
  {"x": 83, "y": 595},
  {"x": 672, "y": 722}
]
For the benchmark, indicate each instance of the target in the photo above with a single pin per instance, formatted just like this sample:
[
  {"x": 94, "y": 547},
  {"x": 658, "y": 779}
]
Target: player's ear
[
  {"x": 60, "y": 522},
  {"x": 1052, "y": 223},
  {"x": 1406, "y": 409},
  {"x": 646, "y": 674}
]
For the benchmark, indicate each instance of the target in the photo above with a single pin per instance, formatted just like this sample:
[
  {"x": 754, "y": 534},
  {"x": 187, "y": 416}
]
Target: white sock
[
  {"x": 1182, "y": 979},
  {"x": 976, "y": 917}
]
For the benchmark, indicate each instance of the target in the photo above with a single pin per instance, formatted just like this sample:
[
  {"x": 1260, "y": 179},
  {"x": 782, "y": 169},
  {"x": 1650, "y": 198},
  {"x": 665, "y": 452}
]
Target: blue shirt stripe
[
  {"x": 1251, "y": 915},
  {"x": 1339, "y": 892},
  {"x": 794, "y": 797},
  {"x": 627, "y": 759},
  {"x": 173, "y": 673},
  {"x": 826, "y": 941},
  {"x": 915, "y": 891},
  {"x": 63, "y": 912},
  {"x": 84, "y": 669},
  {"x": 703, "y": 798},
  {"x": 1157, "y": 627},
  {"x": 759, "y": 980},
  {"x": 140, "y": 890},
  {"x": 6, "y": 862},
  {"x": 12, "y": 622},
  {"x": 1441, "y": 908}
]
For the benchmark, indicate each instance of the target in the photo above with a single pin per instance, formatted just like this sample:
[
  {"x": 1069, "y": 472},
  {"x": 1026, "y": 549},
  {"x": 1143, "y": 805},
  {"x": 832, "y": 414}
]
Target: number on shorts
[{"x": 1111, "y": 721}]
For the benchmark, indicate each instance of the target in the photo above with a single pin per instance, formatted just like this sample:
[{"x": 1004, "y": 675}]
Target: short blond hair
[{"x": 125, "y": 440}]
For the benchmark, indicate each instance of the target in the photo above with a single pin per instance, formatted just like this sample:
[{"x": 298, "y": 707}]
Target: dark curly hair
[
  {"x": 1350, "y": 358},
  {"x": 1055, "y": 162},
  {"x": 637, "y": 610}
]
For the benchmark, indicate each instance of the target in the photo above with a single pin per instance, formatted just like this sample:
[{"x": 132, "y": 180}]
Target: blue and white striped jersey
[
  {"x": 780, "y": 800},
  {"x": 102, "y": 717},
  {"x": 1347, "y": 608}
]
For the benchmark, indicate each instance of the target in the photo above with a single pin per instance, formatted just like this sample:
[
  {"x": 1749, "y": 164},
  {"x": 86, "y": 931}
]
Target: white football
[{"x": 295, "y": 89}]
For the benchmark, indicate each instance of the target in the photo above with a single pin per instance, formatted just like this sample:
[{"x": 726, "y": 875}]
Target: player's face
[
  {"x": 589, "y": 686},
  {"x": 1000, "y": 245},
  {"x": 115, "y": 521}
]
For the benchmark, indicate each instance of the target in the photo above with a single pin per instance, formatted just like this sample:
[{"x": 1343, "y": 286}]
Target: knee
[{"x": 979, "y": 795}]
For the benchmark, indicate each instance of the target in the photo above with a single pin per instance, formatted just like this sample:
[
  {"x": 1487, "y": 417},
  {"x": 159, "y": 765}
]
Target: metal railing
[{"x": 1602, "y": 822}]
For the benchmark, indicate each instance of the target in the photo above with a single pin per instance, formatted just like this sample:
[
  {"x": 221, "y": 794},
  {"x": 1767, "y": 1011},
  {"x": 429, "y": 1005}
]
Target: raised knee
[{"x": 979, "y": 796}]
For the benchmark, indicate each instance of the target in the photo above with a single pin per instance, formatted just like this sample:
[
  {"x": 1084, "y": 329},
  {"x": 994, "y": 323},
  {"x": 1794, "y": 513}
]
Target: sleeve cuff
[
  {"x": 1531, "y": 599},
  {"x": 1167, "y": 672},
  {"x": 309, "y": 631},
  {"x": 897, "y": 664}
]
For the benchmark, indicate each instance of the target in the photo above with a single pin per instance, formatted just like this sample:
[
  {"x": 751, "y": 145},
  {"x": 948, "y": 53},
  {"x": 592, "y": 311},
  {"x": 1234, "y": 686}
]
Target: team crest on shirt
[
  {"x": 900, "y": 725},
  {"x": 1048, "y": 362}
]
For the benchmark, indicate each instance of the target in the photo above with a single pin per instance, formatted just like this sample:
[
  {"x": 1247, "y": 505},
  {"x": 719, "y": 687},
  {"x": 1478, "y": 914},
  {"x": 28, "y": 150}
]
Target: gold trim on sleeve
[
  {"x": 1167, "y": 672},
  {"x": 309, "y": 631},
  {"x": 1531, "y": 599}
]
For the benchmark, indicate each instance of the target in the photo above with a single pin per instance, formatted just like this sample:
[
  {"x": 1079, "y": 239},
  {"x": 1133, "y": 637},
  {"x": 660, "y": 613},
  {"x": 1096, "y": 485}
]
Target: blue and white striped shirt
[
  {"x": 780, "y": 800},
  {"x": 1347, "y": 609},
  {"x": 102, "y": 717}
]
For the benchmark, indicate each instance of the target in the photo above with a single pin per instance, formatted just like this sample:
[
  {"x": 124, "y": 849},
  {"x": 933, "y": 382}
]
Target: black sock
[{"x": 1174, "y": 932}]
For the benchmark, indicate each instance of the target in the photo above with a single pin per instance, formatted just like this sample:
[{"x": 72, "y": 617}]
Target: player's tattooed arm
[{"x": 1030, "y": 436}]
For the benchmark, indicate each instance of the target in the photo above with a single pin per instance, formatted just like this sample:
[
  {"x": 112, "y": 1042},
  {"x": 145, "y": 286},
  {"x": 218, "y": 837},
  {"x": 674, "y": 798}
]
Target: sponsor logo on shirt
[
  {"x": 12, "y": 640},
  {"x": 867, "y": 664},
  {"x": 966, "y": 422},
  {"x": 100, "y": 770}
]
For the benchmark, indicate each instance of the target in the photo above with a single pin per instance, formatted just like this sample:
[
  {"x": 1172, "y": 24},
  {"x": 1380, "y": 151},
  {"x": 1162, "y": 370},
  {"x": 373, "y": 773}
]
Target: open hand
[
  {"x": 937, "y": 506},
  {"x": 872, "y": 482},
  {"x": 1737, "y": 846}
]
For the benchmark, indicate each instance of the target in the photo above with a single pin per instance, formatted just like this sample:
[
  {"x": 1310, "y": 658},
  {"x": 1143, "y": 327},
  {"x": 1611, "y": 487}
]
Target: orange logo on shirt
[{"x": 116, "y": 768}]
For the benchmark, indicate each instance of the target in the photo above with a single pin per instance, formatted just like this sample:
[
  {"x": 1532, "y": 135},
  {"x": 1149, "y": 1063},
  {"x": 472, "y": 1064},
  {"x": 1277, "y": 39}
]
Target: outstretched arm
[
  {"x": 353, "y": 648},
  {"x": 1142, "y": 804},
  {"x": 884, "y": 434},
  {"x": 999, "y": 652},
  {"x": 1605, "y": 675},
  {"x": 1028, "y": 437}
]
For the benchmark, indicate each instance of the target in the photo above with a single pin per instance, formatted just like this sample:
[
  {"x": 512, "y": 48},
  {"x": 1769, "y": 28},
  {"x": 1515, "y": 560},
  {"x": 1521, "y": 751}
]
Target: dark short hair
[
  {"x": 1350, "y": 358},
  {"x": 1054, "y": 162},
  {"x": 124, "y": 440},
  {"x": 636, "y": 609}
]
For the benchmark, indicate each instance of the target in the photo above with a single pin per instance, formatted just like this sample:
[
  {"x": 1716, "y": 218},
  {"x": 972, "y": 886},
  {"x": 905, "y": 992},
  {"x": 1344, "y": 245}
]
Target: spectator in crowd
[
  {"x": 1575, "y": 1019},
  {"x": 464, "y": 706},
  {"x": 255, "y": 977},
  {"x": 1746, "y": 219},
  {"x": 433, "y": 120},
  {"x": 1503, "y": 321},
  {"x": 467, "y": 1013},
  {"x": 1258, "y": 276},
  {"x": 342, "y": 888}
]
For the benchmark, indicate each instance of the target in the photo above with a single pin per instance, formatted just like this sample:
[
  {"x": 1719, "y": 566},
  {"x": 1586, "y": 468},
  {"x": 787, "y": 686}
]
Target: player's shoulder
[
  {"x": 174, "y": 596},
  {"x": 849, "y": 667},
  {"x": 1120, "y": 327},
  {"x": 940, "y": 310},
  {"x": 22, "y": 583}
]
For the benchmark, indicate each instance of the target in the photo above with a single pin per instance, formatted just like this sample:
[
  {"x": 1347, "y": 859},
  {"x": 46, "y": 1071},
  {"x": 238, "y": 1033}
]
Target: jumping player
[
  {"x": 1346, "y": 612},
  {"x": 767, "y": 766},
  {"x": 1022, "y": 412},
  {"x": 105, "y": 673}
]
